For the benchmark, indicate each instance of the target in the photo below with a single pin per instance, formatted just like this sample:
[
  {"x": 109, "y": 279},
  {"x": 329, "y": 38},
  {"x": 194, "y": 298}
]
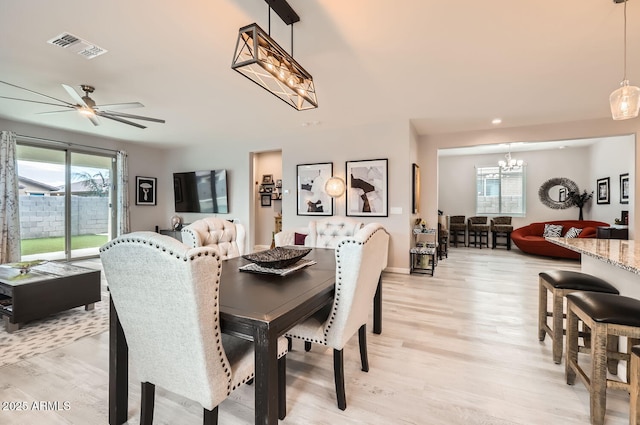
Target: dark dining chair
[{"x": 166, "y": 296}]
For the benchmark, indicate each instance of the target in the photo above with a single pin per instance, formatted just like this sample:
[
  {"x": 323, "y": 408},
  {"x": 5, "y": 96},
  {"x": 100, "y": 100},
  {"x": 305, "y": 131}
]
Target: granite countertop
[{"x": 620, "y": 253}]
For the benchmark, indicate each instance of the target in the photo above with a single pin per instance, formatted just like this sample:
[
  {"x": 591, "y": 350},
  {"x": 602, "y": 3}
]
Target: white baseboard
[{"x": 399, "y": 270}]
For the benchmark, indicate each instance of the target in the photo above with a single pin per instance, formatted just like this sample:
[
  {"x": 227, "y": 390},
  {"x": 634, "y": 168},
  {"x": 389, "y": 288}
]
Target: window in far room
[{"x": 500, "y": 192}]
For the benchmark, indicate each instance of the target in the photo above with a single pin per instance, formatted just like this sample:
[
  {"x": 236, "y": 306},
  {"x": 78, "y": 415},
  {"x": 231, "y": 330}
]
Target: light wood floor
[{"x": 457, "y": 348}]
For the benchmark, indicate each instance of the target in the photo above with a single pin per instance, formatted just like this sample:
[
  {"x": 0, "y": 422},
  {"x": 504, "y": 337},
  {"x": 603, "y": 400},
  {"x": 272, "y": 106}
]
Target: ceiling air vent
[{"x": 77, "y": 45}]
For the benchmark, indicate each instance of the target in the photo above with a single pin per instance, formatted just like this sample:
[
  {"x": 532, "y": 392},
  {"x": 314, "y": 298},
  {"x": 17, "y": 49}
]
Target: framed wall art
[
  {"x": 416, "y": 189},
  {"x": 265, "y": 200},
  {"x": 603, "y": 191},
  {"x": 624, "y": 188},
  {"x": 367, "y": 188},
  {"x": 145, "y": 190},
  {"x": 311, "y": 196}
]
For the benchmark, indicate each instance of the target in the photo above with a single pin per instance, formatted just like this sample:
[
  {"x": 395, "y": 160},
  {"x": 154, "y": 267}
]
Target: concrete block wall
[{"x": 43, "y": 216}]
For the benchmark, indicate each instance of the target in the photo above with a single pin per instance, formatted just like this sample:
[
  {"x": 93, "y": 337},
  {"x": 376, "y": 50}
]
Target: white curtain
[
  {"x": 122, "y": 193},
  {"x": 9, "y": 199}
]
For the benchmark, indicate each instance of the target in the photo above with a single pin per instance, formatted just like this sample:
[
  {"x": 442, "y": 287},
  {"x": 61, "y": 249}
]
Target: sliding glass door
[{"x": 65, "y": 202}]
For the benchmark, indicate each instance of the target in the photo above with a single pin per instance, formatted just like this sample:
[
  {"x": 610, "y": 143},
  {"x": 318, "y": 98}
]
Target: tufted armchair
[
  {"x": 327, "y": 233},
  {"x": 359, "y": 262},
  {"x": 225, "y": 236},
  {"x": 165, "y": 294},
  {"x": 296, "y": 236}
]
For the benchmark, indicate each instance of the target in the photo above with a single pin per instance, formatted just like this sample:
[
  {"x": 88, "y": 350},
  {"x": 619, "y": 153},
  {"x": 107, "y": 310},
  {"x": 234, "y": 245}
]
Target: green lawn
[{"x": 42, "y": 245}]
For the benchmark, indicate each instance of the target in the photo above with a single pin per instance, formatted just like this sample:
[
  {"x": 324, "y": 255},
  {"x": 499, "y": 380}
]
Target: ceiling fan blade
[
  {"x": 71, "y": 108},
  {"x": 135, "y": 117},
  {"x": 115, "y": 118},
  {"x": 93, "y": 119},
  {"x": 75, "y": 96},
  {"x": 37, "y": 101},
  {"x": 35, "y": 92},
  {"x": 121, "y": 105}
]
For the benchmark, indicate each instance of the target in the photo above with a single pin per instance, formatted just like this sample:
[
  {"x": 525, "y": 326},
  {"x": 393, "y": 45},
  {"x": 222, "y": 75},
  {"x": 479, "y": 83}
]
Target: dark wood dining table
[{"x": 252, "y": 306}]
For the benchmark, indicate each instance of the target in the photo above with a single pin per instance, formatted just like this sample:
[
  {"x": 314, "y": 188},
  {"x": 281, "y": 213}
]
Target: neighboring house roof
[
  {"x": 40, "y": 185},
  {"x": 82, "y": 186}
]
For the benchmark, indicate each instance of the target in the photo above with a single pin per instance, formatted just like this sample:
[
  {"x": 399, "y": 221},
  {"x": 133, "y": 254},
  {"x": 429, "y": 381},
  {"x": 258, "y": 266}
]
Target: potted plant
[{"x": 580, "y": 199}]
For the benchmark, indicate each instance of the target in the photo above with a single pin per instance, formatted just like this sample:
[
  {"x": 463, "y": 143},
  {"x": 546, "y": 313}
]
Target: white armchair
[
  {"x": 359, "y": 262},
  {"x": 288, "y": 237},
  {"x": 227, "y": 237},
  {"x": 324, "y": 233},
  {"x": 165, "y": 295},
  {"x": 327, "y": 233}
]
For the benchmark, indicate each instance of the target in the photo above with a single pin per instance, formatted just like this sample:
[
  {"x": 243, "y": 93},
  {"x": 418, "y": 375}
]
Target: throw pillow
[
  {"x": 298, "y": 238},
  {"x": 552, "y": 230},
  {"x": 573, "y": 232}
]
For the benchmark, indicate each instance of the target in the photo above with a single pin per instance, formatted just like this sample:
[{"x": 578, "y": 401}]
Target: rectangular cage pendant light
[{"x": 259, "y": 58}]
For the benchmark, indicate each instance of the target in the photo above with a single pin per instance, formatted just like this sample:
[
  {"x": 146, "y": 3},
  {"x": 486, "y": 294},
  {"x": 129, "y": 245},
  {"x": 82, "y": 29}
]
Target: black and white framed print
[
  {"x": 603, "y": 191},
  {"x": 312, "y": 198},
  {"x": 145, "y": 190},
  {"x": 265, "y": 200},
  {"x": 624, "y": 188},
  {"x": 367, "y": 188}
]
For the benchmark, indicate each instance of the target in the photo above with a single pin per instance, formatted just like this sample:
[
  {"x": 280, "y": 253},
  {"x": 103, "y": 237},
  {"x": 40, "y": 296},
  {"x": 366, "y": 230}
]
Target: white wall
[
  {"x": 380, "y": 140},
  {"x": 429, "y": 145},
  {"x": 611, "y": 158},
  {"x": 457, "y": 181}
]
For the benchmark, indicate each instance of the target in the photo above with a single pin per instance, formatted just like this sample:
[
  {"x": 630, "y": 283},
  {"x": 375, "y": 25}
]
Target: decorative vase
[{"x": 176, "y": 222}]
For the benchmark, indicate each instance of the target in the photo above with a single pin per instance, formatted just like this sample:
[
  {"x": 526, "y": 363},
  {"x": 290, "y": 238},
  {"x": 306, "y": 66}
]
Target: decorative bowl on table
[{"x": 277, "y": 258}]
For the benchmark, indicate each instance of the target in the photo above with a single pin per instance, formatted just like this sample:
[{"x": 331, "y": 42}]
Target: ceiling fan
[{"x": 87, "y": 106}]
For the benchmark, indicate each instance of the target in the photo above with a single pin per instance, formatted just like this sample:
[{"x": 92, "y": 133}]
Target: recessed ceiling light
[
  {"x": 310, "y": 123},
  {"x": 496, "y": 121}
]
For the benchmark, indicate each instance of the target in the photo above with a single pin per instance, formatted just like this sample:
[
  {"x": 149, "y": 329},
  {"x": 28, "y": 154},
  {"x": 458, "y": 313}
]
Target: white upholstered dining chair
[
  {"x": 325, "y": 233},
  {"x": 225, "y": 236},
  {"x": 166, "y": 296},
  {"x": 359, "y": 262}
]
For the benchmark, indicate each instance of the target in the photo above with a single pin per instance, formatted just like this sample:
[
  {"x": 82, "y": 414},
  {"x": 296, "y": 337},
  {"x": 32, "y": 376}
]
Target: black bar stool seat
[{"x": 560, "y": 283}]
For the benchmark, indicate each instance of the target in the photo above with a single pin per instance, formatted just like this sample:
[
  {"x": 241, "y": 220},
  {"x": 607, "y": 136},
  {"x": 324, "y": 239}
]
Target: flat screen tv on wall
[{"x": 201, "y": 191}]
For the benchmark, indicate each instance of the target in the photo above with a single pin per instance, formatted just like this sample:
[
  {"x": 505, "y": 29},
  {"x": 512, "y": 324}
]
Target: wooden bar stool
[
  {"x": 458, "y": 227},
  {"x": 634, "y": 382},
  {"x": 478, "y": 229},
  {"x": 608, "y": 316},
  {"x": 560, "y": 283}
]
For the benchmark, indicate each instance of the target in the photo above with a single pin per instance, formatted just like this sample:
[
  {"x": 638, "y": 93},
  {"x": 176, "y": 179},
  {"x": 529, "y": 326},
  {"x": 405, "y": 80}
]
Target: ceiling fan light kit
[
  {"x": 625, "y": 101},
  {"x": 259, "y": 58}
]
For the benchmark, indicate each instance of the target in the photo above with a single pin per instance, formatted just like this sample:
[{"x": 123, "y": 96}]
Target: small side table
[
  {"x": 420, "y": 253},
  {"x": 424, "y": 250},
  {"x": 176, "y": 234}
]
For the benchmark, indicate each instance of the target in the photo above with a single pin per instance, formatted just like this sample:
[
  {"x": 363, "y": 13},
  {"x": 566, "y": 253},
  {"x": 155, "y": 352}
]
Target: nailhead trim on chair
[
  {"x": 339, "y": 279},
  {"x": 209, "y": 251}
]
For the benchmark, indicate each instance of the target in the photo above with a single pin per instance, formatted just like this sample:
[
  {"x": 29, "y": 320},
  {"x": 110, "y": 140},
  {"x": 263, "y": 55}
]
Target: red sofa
[{"x": 529, "y": 238}]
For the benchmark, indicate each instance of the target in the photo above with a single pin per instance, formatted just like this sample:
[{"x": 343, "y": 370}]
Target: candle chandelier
[
  {"x": 625, "y": 101},
  {"x": 509, "y": 163},
  {"x": 259, "y": 58}
]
